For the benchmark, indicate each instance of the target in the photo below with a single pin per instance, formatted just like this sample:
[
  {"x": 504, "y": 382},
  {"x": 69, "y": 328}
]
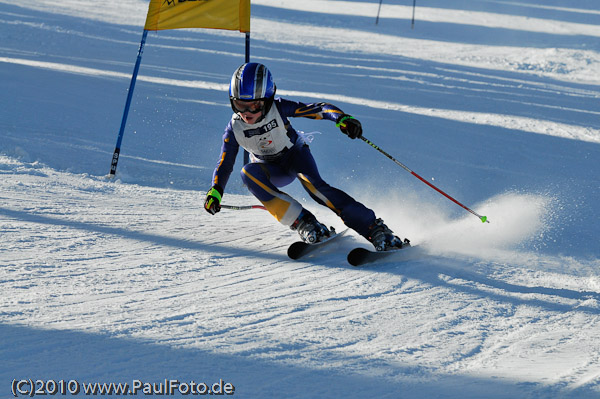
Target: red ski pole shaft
[{"x": 406, "y": 168}]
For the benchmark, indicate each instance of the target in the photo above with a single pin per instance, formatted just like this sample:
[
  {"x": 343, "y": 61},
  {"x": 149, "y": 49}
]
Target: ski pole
[
  {"x": 482, "y": 218},
  {"x": 242, "y": 207}
]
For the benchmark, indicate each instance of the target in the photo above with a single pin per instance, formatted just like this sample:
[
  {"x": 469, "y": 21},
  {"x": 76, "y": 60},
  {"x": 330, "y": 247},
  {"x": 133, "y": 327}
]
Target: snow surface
[{"x": 495, "y": 102}]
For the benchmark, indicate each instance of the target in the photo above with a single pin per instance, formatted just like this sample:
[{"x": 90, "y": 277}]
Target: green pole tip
[{"x": 484, "y": 219}]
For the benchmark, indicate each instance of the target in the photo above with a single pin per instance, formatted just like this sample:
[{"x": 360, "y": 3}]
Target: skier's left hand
[
  {"x": 349, "y": 126},
  {"x": 212, "y": 204}
]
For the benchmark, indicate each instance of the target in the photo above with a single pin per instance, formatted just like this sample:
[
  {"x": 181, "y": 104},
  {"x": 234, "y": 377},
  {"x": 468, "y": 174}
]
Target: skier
[{"x": 279, "y": 155}]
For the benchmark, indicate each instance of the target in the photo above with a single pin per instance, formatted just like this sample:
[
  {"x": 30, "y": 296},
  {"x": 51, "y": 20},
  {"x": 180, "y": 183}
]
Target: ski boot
[
  {"x": 309, "y": 228},
  {"x": 383, "y": 239}
]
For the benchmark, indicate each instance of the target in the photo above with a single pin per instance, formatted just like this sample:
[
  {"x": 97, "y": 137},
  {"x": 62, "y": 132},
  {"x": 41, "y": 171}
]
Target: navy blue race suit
[{"x": 279, "y": 155}]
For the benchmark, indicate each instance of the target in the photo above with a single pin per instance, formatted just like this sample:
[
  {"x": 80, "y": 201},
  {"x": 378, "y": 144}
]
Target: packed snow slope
[{"x": 496, "y": 102}]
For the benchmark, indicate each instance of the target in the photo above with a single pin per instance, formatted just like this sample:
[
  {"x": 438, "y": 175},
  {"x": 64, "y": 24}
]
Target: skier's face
[
  {"x": 249, "y": 111},
  {"x": 250, "y": 118}
]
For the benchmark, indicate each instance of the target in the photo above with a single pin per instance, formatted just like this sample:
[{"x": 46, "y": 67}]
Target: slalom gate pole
[
  {"x": 247, "y": 60},
  {"x": 412, "y": 23},
  {"x": 242, "y": 207},
  {"x": 378, "y": 11},
  {"x": 482, "y": 218},
  {"x": 115, "y": 158}
]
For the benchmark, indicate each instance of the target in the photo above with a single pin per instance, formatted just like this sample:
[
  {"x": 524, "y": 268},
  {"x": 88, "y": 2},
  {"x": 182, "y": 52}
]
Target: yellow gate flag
[{"x": 211, "y": 14}]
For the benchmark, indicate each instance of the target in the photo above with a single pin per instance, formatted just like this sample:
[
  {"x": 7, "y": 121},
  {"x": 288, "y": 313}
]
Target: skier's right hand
[{"x": 212, "y": 204}]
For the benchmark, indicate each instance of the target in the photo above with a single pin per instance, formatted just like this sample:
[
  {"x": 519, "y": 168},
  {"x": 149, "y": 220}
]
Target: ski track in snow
[
  {"x": 112, "y": 281},
  {"x": 133, "y": 262},
  {"x": 507, "y": 121}
]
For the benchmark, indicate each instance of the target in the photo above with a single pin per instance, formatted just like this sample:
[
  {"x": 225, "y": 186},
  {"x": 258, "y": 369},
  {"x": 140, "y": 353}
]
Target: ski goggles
[{"x": 253, "y": 106}]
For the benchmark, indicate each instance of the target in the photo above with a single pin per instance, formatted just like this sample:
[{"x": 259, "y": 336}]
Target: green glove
[
  {"x": 212, "y": 204},
  {"x": 349, "y": 126}
]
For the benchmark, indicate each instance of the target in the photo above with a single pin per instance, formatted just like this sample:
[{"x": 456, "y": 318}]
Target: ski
[
  {"x": 362, "y": 256},
  {"x": 299, "y": 249}
]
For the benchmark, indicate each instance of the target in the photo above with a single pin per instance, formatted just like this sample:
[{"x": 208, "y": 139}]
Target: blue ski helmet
[{"x": 252, "y": 81}]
